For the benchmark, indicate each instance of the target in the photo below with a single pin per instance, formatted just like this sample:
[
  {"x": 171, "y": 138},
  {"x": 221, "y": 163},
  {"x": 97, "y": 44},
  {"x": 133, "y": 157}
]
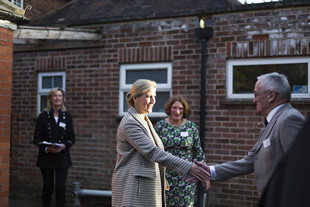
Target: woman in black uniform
[{"x": 54, "y": 135}]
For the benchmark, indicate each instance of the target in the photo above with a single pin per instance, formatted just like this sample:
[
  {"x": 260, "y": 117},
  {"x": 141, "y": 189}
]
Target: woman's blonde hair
[
  {"x": 50, "y": 94},
  {"x": 138, "y": 88}
]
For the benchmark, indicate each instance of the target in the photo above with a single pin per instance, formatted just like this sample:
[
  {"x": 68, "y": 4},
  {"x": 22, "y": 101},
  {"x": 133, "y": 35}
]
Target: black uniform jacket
[{"x": 61, "y": 132}]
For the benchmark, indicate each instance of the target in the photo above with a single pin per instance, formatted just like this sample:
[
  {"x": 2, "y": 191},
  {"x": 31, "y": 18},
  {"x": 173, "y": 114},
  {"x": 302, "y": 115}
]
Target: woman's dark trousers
[{"x": 60, "y": 176}]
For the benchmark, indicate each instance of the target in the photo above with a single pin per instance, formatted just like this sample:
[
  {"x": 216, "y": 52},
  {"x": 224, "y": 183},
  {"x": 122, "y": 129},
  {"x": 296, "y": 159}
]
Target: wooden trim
[{"x": 26, "y": 32}]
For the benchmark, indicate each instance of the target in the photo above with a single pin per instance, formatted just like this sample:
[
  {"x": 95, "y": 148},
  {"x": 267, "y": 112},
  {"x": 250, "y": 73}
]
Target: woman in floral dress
[{"x": 181, "y": 138}]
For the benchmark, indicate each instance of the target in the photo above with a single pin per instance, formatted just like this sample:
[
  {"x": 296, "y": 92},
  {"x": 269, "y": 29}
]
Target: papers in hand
[{"x": 51, "y": 144}]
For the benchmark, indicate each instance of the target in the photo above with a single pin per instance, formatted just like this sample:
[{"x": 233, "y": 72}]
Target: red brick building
[
  {"x": 160, "y": 36},
  {"x": 10, "y": 17},
  {"x": 6, "y": 41}
]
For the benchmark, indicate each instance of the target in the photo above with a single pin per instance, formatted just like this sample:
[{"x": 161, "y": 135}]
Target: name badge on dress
[
  {"x": 266, "y": 143},
  {"x": 184, "y": 134},
  {"x": 61, "y": 124}
]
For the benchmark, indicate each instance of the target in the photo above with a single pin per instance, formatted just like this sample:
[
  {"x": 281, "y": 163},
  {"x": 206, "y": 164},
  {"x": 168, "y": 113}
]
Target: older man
[{"x": 272, "y": 95}]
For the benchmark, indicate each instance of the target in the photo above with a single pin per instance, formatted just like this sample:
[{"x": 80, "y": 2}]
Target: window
[
  {"x": 242, "y": 75},
  {"x": 19, "y": 3},
  {"x": 158, "y": 72},
  {"x": 47, "y": 81}
]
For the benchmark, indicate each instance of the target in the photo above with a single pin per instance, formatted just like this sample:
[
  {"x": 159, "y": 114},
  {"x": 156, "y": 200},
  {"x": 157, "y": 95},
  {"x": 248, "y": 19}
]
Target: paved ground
[
  {"x": 85, "y": 202},
  {"x": 23, "y": 203}
]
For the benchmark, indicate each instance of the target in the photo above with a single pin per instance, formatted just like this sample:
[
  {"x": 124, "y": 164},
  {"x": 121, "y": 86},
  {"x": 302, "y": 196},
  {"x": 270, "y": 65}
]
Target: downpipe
[{"x": 77, "y": 193}]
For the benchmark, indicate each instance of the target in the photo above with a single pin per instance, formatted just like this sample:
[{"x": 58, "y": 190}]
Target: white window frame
[
  {"x": 42, "y": 91},
  {"x": 261, "y": 61},
  {"x": 21, "y": 3},
  {"x": 167, "y": 87}
]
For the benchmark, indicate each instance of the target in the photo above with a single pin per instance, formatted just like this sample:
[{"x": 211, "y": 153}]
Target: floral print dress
[{"x": 184, "y": 142}]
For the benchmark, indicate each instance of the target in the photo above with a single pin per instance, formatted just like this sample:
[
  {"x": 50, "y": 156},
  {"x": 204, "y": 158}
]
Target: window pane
[
  {"x": 161, "y": 100},
  {"x": 43, "y": 102},
  {"x": 47, "y": 82},
  {"x": 57, "y": 81},
  {"x": 158, "y": 75},
  {"x": 244, "y": 77},
  {"x": 125, "y": 108},
  {"x": 17, "y": 2}
]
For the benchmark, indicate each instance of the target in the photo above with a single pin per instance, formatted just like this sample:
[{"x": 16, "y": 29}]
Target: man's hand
[
  {"x": 203, "y": 165},
  {"x": 199, "y": 172},
  {"x": 193, "y": 179}
]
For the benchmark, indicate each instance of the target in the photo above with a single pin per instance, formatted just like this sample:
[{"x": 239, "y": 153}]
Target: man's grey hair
[{"x": 276, "y": 82}]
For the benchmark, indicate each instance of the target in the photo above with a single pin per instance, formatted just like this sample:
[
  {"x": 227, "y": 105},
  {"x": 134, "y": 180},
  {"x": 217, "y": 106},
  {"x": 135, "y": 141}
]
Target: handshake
[{"x": 199, "y": 172}]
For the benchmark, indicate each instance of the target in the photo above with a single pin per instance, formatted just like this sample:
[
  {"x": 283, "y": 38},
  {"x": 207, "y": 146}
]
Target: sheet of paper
[{"x": 49, "y": 143}]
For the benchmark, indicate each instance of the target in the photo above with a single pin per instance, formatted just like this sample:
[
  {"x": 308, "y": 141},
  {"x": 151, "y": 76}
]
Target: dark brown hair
[{"x": 181, "y": 99}]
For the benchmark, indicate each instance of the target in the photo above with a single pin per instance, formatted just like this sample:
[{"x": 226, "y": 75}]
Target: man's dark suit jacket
[{"x": 289, "y": 185}]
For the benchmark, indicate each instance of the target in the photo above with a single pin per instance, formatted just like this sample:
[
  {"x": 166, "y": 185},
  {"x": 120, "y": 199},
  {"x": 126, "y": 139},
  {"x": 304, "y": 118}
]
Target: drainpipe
[
  {"x": 204, "y": 34},
  {"x": 77, "y": 192}
]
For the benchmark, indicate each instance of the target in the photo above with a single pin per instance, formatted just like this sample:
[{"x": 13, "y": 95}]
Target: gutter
[{"x": 14, "y": 18}]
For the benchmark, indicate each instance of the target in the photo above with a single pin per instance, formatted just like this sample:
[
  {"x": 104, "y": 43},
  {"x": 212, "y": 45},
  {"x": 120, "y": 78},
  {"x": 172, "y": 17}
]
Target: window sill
[{"x": 250, "y": 101}]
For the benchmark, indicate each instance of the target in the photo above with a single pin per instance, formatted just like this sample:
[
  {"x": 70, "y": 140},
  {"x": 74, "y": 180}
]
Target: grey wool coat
[
  {"x": 138, "y": 178},
  {"x": 273, "y": 143}
]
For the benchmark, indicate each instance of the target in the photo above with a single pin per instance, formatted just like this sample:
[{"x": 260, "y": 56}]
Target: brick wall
[
  {"x": 93, "y": 83},
  {"x": 233, "y": 128},
  {"x": 6, "y": 45}
]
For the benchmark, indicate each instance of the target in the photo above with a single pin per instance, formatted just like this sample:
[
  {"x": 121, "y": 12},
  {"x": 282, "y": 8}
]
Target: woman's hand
[
  {"x": 199, "y": 172},
  {"x": 56, "y": 149}
]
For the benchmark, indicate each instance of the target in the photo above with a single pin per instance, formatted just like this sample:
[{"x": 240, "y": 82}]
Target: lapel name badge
[
  {"x": 61, "y": 124},
  {"x": 184, "y": 134},
  {"x": 266, "y": 143}
]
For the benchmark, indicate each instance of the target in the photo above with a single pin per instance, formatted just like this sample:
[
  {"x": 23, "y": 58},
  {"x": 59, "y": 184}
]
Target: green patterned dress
[{"x": 184, "y": 142}]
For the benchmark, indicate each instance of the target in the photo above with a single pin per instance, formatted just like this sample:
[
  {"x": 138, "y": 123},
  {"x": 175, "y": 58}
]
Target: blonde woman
[
  {"x": 138, "y": 179},
  {"x": 54, "y": 136}
]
